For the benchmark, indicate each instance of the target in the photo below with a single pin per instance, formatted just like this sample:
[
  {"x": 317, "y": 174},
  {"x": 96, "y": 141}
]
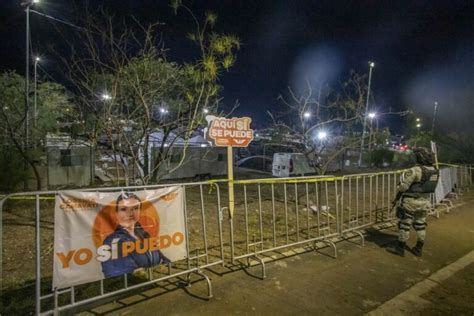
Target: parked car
[{"x": 260, "y": 163}]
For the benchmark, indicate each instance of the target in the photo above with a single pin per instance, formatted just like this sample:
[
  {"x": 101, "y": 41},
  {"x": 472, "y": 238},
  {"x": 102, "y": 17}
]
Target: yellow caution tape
[{"x": 314, "y": 179}]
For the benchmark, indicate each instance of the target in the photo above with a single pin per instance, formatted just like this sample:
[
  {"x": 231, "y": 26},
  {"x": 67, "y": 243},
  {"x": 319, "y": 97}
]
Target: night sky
[{"x": 424, "y": 50}]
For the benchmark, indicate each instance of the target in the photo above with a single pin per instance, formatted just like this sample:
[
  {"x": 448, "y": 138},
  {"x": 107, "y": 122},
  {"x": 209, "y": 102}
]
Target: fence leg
[
  {"x": 56, "y": 307},
  {"x": 262, "y": 263},
  {"x": 362, "y": 239},
  {"x": 330, "y": 243},
  {"x": 38, "y": 259},
  {"x": 209, "y": 284}
]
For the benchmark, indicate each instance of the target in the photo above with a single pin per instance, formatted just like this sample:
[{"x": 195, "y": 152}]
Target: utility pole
[
  {"x": 371, "y": 66},
  {"x": 434, "y": 117}
]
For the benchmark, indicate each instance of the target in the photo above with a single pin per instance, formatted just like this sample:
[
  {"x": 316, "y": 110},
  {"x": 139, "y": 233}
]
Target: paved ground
[{"x": 361, "y": 280}]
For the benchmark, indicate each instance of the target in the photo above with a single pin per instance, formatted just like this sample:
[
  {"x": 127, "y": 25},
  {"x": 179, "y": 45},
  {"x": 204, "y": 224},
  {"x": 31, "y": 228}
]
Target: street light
[
  {"x": 434, "y": 117},
  {"x": 322, "y": 135},
  {"x": 105, "y": 96},
  {"x": 35, "y": 113},
  {"x": 163, "y": 112},
  {"x": 205, "y": 111},
  {"x": 371, "y": 116},
  {"x": 27, "y": 4},
  {"x": 306, "y": 115},
  {"x": 371, "y": 66}
]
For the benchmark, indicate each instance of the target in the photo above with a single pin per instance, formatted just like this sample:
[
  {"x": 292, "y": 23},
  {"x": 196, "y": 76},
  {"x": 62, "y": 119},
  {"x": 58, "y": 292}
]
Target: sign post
[
  {"x": 233, "y": 132},
  {"x": 230, "y": 178}
]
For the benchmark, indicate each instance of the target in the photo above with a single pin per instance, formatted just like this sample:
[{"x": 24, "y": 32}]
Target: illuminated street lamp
[
  {"x": 418, "y": 126},
  {"x": 106, "y": 97},
  {"x": 417, "y": 119},
  {"x": 371, "y": 116},
  {"x": 35, "y": 113},
  {"x": 205, "y": 111},
  {"x": 27, "y": 4},
  {"x": 306, "y": 115},
  {"x": 322, "y": 135},
  {"x": 371, "y": 66},
  {"x": 163, "y": 112}
]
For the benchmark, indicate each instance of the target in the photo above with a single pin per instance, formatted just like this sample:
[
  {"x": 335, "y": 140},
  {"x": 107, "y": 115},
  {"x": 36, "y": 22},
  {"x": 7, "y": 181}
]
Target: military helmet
[{"x": 423, "y": 156}]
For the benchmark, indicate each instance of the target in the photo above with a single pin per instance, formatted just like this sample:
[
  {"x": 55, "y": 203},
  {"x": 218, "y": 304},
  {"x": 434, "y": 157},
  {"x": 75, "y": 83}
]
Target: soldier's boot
[
  {"x": 417, "y": 250},
  {"x": 398, "y": 249}
]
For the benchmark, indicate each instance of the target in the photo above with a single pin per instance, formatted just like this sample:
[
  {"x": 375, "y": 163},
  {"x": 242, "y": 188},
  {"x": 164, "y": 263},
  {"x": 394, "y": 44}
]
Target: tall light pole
[
  {"x": 371, "y": 66},
  {"x": 35, "y": 113},
  {"x": 371, "y": 116},
  {"x": 434, "y": 117},
  {"x": 27, "y": 4}
]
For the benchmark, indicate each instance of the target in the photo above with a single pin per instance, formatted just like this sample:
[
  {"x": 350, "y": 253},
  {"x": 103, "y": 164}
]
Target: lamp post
[
  {"x": 35, "y": 113},
  {"x": 27, "y": 4},
  {"x": 434, "y": 117},
  {"x": 371, "y": 116},
  {"x": 371, "y": 66}
]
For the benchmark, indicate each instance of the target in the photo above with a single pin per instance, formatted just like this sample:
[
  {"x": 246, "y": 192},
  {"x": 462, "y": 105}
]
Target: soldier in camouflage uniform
[{"x": 415, "y": 187}]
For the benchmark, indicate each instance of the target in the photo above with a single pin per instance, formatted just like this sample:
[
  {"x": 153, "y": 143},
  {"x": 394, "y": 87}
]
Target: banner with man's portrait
[{"x": 99, "y": 235}]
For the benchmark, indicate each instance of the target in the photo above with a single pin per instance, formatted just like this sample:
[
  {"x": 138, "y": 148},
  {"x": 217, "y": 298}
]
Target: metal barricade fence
[
  {"x": 28, "y": 237},
  {"x": 366, "y": 199},
  {"x": 273, "y": 214},
  {"x": 270, "y": 215}
]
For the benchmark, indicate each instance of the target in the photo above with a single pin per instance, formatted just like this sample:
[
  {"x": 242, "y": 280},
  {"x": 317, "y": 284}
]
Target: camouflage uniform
[
  {"x": 414, "y": 189},
  {"x": 412, "y": 207}
]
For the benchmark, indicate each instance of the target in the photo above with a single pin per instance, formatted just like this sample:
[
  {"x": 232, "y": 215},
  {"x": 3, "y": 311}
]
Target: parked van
[
  {"x": 198, "y": 162},
  {"x": 290, "y": 165}
]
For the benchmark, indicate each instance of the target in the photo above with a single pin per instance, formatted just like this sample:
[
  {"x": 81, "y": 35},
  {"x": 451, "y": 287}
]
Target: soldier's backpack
[{"x": 428, "y": 182}]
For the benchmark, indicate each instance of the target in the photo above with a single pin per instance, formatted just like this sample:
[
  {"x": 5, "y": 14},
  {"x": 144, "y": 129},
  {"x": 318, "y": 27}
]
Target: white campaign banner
[{"x": 100, "y": 235}]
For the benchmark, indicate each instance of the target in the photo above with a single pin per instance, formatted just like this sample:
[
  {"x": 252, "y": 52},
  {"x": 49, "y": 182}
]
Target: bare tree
[
  {"x": 129, "y": 91},
  {"x": 307, "y": 117}
]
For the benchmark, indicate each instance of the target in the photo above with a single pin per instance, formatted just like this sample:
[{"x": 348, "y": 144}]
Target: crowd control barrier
[
  {"x": 270, "y": 215},
  {"x": 203, "y": 238},
  {"x": 453, "y": 179}
]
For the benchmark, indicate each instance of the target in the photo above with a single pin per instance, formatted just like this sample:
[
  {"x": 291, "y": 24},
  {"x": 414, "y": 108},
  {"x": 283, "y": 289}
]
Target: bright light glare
[
  {"x": 418, "y": 125},
  {"x": 306, "y": 114},
  {"x": 203, "y": 145},
  {"x": 37, "y": 59},
  {"x": 371, "y": 64},
  {"x": 106, "y": 96},
  {"x": 372, "y": 115},
  {"x": 417, "y": 119},
  {"x": 205, "y": 111},
  {"x": 36, "y": 1},
  {"x": 322, "y": 135}
]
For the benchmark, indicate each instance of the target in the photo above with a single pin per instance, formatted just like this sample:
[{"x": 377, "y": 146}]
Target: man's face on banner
[{"x": 128, "y": 212}]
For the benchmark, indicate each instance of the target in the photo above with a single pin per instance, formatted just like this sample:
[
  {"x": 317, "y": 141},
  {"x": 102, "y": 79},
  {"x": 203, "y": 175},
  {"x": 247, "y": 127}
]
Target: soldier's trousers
[{"x": 417, "y": 219}]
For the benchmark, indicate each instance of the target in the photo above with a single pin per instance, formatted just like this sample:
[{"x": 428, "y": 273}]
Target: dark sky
[{"x": 423, "y": 50}]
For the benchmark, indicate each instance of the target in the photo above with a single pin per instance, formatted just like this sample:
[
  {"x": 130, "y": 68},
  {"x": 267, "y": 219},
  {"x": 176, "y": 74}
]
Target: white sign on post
[{"x": 229, "y": 132}]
